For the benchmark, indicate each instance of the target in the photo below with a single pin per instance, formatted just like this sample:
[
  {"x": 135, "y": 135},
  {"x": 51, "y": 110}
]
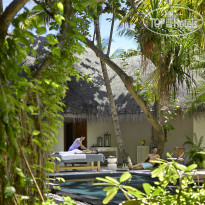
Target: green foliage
[
  {"x": 171, "y": 112},
  {"x": 67, "y": 201},
  {"x": 170, "y": 54},
  {"x": 168, "y": 173},
  {"x": 196, "y": 147},
  {"x": 143, "y": 88},
  {"x": 60, "y": 6},
  {"x": 196, "y": 100},
  {"x": 31, "y": 99},
  {"x": 9, "y": 192}
]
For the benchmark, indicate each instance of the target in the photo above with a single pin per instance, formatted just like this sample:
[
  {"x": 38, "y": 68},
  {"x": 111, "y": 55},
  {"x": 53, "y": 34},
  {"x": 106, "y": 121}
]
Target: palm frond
[
  {"x": 127, "y": 32},
  {"x": 196, "y": 102}
]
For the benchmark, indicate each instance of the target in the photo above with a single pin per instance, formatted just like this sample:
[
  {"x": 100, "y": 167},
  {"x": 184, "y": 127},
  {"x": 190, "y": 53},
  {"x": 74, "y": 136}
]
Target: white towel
[{"x": 71, "y": 155}]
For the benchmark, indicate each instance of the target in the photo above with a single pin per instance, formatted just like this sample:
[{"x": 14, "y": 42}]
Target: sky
[{"x": 117, "y": 43}]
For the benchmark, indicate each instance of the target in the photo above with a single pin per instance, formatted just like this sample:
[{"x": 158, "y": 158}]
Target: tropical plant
[
  {"x": 196, "y": 100},
  {"x": 186, "y": 192},
  {"x": 196, "y": 147},
  {"x": 31, "y": 95},
  {"x": 115, "y": 119},
  {"x": 171, "y": 55}
]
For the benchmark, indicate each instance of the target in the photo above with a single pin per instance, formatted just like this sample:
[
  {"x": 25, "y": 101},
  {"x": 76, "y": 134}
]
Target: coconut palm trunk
[
  {"x": 128, "y": 82},
  {"x": 116, "y": 123}
]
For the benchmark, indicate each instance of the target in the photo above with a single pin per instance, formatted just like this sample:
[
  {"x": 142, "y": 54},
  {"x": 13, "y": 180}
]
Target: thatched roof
[
  {"x": 90, "y": 101},
  {"x": 39, "y": 46}
]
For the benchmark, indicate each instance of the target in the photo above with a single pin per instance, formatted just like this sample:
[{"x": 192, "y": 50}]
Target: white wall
[
  {"x": 183, "y": 127},
  {"x": 135, "y": 131},
  {"x": 97, "y": 129},
  {"x": 132, "y": 131},
  {"x": 199, "y": 128},
  {"x": 60, "y": 144}
]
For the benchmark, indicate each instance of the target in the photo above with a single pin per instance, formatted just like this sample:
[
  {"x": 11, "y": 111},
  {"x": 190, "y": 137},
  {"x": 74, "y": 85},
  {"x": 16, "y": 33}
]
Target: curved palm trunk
[
  {"x": 116, "y": 123},
  {"x": 128, "y": 82}
]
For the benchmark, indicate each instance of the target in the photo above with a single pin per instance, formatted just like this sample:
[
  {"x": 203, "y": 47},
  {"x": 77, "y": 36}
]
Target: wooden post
[
  {"x": 92, "y": 165},
  {"x": 98, "y": 165}
]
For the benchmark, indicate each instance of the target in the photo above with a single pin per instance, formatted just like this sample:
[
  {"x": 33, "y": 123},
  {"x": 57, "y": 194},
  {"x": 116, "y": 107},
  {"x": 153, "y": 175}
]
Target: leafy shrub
[
  {"x": 181, "y": 176},
  {"x": 196, "y": 147}
]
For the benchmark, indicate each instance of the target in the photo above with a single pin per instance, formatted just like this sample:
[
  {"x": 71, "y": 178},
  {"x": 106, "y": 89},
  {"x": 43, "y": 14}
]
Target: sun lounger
[
  {"x": 90, "y": 159},
  {"x": 180, "y": 154}
]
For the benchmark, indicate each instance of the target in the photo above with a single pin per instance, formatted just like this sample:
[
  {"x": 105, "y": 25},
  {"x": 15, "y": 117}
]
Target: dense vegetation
[{"x": 31, "y": 94}]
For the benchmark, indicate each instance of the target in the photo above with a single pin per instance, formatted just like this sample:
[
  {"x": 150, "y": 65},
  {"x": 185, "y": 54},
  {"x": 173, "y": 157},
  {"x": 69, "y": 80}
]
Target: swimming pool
[{"x": 82, "y": 187}]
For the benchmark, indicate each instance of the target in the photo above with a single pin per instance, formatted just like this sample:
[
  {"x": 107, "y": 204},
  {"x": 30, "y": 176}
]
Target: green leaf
[
  {"x": 37, "y": 142},
  {"x": 169, "y": 155},
  {"x": 59, "y": 18},
  {"x": 51, "y": 39},
  {"x": 104, "y": 180},
  {"x": 41, "y": 30},
  {"x": 112, "y": 180},
  {"x": 36, "y": 132},
  {"x": 109, "y": 197},
  {"x": 156, "y": 192},
  {"x": 129, "y": 188},
  {"x": 60, "y": 6},
  {"x": 55, "y": 51},
  {"x": 37, "y": 8},
  {"x": 147, "y": 188},
  {"x": 9, "y": 192},
  {"x": 11, "y": 152},
  {"x": 35, "y": 53},
  {"x": 19, "y": 172},
  {"x": 89, "y": 80},
  {"x": 181, "y": 166},
  {"x": 60, "y": 179},
  {"x": 125, "y": 176},
  {"x": 191, "y": 167},
  {"x": 137, "y": 193},
  {"x": 55, "y": 85},
  {"x": 171, "y": 127},
  {"x": 26, "y": 69},
  {"x": 112, "y": 189},
  {"x": 159, "y": 171},
  {"x": 47, "y": 81}
]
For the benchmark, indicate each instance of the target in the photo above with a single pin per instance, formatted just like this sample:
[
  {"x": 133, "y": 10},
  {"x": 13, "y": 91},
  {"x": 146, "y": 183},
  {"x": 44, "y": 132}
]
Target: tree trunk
[
  {"x": 116, "y": 123},
  {"x": 128, "y": 82},
  {"x": 7, "y": 16},
  {"x": 1, "y": 7}
]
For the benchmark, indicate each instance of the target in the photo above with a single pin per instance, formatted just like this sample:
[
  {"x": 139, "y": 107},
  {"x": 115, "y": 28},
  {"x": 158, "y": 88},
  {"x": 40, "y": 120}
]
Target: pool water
[{"x": 95, "y": 192}]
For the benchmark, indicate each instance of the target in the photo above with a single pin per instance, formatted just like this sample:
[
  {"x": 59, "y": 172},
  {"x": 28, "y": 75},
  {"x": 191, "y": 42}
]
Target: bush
[{"x": 187, "y": 191}]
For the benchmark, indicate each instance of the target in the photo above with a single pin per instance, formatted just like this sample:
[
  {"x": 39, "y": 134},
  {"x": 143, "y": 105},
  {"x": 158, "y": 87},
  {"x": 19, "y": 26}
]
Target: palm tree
[
  {"x": 116, "y": 123},
  {"x": 196, "y": 101},
  {"x": 172, "y": 56}
]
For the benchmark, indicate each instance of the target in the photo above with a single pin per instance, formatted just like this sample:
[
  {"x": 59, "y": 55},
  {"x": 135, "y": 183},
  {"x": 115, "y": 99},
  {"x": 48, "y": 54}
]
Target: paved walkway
[
  {"x": 103, "y": 171},
  {"x": 199, "y": 175}
]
